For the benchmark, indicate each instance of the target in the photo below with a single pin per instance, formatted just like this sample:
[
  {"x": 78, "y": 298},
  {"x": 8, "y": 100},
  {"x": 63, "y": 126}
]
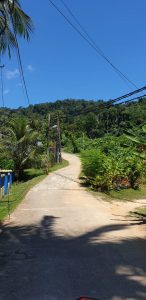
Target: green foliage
[
  {"x": 141, "y": 213},
  {"x": 12, "y": 18},
  {"x": 92, "y": 118},
  {"x": 112, "y": 167},
  {"x": 6, "y": 163},
  {"x": 117, "y": 162},
  {"x": 137, "y": 137},
  {"x": 135, "y": 169},
  {"x": 94, "y": 162},
  {"x": 20, "y": 143},
  {"x": 128, "y": 194},
  {"x": 71, "y": 143}
]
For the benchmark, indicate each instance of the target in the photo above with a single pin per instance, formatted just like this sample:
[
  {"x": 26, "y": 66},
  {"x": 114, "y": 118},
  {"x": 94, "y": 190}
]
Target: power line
[
  {"x": 128, "y": 95},
  {"x": 100, "y": 52},
  {"x": 110, "y": 103},
  {"x": 133, "y": 99},
  {"x": 17, "y": 47},
  {"x": 21, "y": 71},
  {"x": 18, "y": 51},
  {"x": 20, "y": 62},
  {"x": 90, "y": 41}
]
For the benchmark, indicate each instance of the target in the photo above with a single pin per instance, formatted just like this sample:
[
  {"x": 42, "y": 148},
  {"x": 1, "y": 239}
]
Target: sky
[{"x": 58, "y": 64}]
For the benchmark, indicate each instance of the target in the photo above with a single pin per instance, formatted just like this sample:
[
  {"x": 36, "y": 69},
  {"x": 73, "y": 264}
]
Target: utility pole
[
  {"x": 58, "y": 142},
  {"x": 48, "y": 139}
]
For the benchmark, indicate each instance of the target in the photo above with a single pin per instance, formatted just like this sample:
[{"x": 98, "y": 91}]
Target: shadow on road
[{"x": 36, "y": 263}]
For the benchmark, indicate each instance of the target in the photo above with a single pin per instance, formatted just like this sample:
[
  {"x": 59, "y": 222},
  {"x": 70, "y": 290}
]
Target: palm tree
[
  {"x": 20, "y": 141},
  {"x": 13, "y": 21}
]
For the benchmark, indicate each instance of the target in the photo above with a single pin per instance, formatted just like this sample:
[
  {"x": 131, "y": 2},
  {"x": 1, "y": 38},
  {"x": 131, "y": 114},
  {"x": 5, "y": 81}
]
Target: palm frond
[
  {"x": 22, "y": 22},
  {"x": 13, "y": 21}
]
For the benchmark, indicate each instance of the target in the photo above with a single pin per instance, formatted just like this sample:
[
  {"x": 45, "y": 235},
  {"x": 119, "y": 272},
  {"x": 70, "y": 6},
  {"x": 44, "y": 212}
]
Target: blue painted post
[
  {"x": 2, "y": 184},
  {"x": 11, "y": 179},
  {"x": 6, "y": 184}
]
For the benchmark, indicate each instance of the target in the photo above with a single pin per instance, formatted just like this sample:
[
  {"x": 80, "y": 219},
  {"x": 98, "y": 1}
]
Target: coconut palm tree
[
  {"x": 13, "y": 21},
  {"x": 20, "y": 142}
]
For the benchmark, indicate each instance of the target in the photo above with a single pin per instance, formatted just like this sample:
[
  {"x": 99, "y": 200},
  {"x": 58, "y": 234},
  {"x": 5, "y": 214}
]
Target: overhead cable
[
  {"x": 110, "y": 103},
  {"x": 130, "y": 100},
  {"x": 90, "y": 41},
  {"x": 20, "y": 62},
  {"x": 128, "y": 95},
  {"x": 21, "y": 70}
]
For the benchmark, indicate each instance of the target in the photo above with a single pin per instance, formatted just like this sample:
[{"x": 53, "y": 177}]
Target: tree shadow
[
  {"x": 140, "y": 216},
  {"x": 38, "y": 263}
]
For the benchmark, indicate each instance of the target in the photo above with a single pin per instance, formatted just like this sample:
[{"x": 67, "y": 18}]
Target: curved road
[{"x": 63, "y": 242}]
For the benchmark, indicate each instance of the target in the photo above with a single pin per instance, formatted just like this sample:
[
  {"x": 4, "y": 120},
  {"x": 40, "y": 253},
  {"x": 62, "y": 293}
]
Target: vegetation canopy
[{"x": 111, "y": 141}]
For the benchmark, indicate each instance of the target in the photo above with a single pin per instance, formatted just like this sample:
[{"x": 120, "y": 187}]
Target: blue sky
[{"x": 58, "y": 64}]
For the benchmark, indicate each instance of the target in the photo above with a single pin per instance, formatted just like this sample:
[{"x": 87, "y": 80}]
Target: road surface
[{"x": 63, "y": 242}]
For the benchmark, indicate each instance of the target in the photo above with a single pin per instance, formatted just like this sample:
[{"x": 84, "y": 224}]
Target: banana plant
[{"x": 138, "y": 139}]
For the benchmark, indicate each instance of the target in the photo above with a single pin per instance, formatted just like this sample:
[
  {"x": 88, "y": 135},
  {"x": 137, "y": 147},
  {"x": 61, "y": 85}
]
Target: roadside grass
[
  {"x": 120, "y": 195},
  {"x": 124, "y": 195},
  {"x": 128, "y": 194},
  {"x": 141, "y": 213},
  {"x": 20, "y": 189},
  {"x": 56, "y": 167},
  {"x": 131, "y": 195}
]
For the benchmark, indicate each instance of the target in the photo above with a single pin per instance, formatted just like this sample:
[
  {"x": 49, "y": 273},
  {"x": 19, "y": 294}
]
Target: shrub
[
  {"x": 93, "y": 162},
  {"x": 119, "y": 169},
  {"x": 135, "y": 169},
  {"x": 6, "y": 163}
]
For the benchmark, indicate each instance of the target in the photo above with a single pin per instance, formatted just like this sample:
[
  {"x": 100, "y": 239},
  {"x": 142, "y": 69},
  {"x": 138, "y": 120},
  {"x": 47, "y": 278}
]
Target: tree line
[
  {"x": 26, "y": 136},
  {"x": 93, "y": 118}
]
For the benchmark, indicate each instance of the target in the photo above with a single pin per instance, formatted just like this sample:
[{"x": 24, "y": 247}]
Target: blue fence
[{"x": 6, "y": 178}]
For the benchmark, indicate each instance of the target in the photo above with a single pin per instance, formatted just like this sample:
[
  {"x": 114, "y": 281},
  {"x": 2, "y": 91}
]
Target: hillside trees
[
  {"x": 84, "y": 124},
  {"x": 91, "y": 117}
]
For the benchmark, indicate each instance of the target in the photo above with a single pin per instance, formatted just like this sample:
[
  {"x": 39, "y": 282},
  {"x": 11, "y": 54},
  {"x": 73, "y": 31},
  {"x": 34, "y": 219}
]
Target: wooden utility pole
[
  {"x": 48, "y": 139},
  {"x": 58, "y": 142}
]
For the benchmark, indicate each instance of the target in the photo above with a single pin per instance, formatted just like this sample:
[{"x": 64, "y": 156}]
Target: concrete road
[{"x": 63, "y": 242}]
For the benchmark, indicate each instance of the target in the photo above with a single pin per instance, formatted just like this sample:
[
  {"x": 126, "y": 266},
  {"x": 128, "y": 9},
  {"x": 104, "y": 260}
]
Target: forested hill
[{"x": 94, "y": 118}]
